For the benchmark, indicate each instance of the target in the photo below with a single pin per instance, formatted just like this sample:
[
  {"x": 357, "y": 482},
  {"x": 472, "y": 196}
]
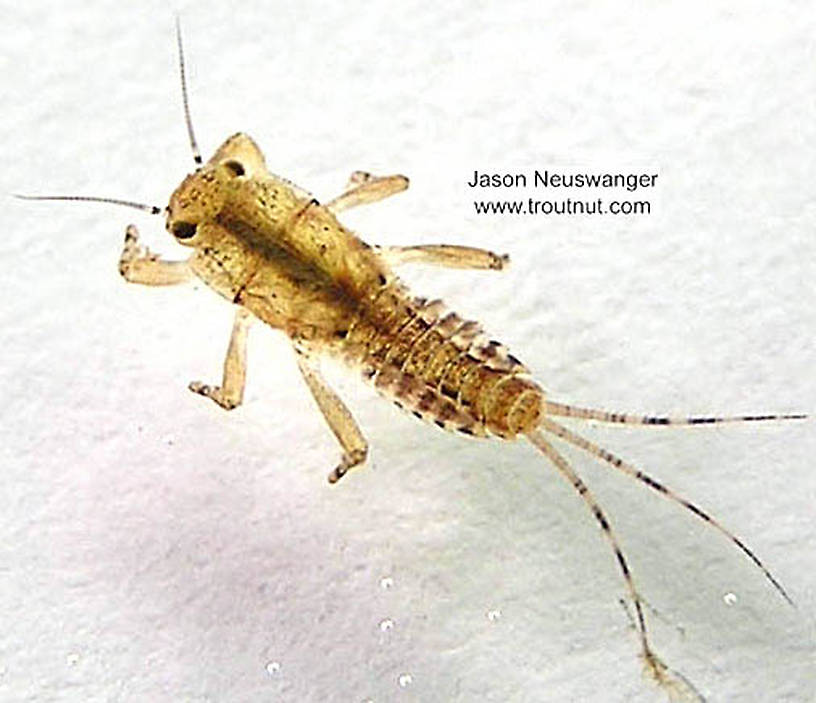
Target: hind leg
[{"x": 338, "y": 417}]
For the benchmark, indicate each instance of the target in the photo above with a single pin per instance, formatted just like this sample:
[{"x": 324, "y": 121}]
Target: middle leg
[
  {"x": 231, "y": 391},
  {"x": 448, "y": 255}
]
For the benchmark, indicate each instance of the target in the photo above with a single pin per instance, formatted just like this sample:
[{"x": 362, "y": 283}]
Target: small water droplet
[
  {"x": 386, "y": 625},
  {"x": 494, "y": 615},
  {"x": 386, "y": 582},
  {"x": 273, "y": 668},
  {"x": 730, "y": 598},
  {"x": 73, "y": 659},
  {"x": 405, "y": 680}
]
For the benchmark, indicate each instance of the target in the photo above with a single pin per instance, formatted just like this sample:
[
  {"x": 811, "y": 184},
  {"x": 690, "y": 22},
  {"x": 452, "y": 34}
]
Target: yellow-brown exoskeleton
[{"x": 281, "y": 257}]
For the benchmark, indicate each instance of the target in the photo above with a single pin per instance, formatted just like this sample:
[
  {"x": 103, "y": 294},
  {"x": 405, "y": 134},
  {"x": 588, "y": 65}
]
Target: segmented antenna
[
  {"x": 193, "y": 143},
  {"x": 152, "y": 209}
]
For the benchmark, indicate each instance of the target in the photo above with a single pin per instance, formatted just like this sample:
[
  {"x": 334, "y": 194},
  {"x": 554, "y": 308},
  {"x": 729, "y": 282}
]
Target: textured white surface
[{"x": 155, "y": 548}]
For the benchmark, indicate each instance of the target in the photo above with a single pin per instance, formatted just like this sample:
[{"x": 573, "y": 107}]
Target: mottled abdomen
[{"x": 442, "y": 368}]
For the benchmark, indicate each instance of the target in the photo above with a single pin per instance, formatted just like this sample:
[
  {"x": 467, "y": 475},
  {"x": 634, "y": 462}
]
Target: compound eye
[
  {"x": 184, "y": 230},
  {"x": 236, "y": 168}
]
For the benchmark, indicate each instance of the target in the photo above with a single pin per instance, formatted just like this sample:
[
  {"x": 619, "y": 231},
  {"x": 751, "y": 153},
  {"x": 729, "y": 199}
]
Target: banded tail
[{"x": 673, "y": 682}]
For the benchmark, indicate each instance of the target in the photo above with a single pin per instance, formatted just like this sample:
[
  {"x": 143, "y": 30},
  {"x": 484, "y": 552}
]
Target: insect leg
[
  {"x": 448, "y": 255},
  {"x": 365, "y": 188},
  {"x": 337, "y": 415},
  {"x": 231, "y": 391},
  {"x": 138, "y": 264}
]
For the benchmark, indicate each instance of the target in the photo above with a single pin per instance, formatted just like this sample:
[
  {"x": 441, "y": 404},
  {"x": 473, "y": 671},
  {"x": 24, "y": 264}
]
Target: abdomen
[{"x": 441, "y": 367}]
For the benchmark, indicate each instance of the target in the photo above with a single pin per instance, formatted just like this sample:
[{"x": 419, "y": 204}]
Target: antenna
[
  {"x": 152, "y": 209},
  {"x": 193, "y": 143}
]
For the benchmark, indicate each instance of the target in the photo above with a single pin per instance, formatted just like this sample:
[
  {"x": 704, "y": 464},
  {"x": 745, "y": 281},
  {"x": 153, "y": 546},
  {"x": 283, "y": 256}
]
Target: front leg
[
  {"x": 230, "y": 393},
  {"x": 339, "y": 418},
  {"x": 138, "y": 264},
  {"x": 365, "y": 188}
]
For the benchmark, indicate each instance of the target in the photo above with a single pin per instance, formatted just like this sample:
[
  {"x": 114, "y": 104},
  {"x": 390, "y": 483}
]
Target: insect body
[
  {"x": 281, "y": 257},
  {"x": 286, "y": 260}
]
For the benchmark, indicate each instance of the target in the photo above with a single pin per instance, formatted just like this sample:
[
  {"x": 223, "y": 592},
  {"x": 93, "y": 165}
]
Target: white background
[{"x": 155, "y": 548}]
